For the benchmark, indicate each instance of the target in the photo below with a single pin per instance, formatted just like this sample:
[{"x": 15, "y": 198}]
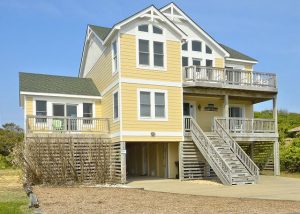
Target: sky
[{"x": 46, "y": 36}]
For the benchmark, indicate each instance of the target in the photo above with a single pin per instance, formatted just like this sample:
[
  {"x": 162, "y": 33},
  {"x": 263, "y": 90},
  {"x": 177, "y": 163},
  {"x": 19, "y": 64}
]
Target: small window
[
  {"x": 184, "y": 46},
  {"x": 209, "y": 63},
  {"x": 208, "y": 50},
  {"x": 185, "y": 61},
  {"x": 158, "y": 49},
  {"x": 143, "y": 28},
  {"x": 41, "y": 110},
  {"x": 196, "y": 46},
  {"x": 157, "y": 30},
  {"x": 115, "y": 56},
  {"x": 88, "y": 110},
  {"x": 116, "y": 105},
  {"x": 159, "y": 105},
  {"x": 197, "y": 62},
  {"x": 143, "y": 52},
  {"x": 145, "y": 104}
]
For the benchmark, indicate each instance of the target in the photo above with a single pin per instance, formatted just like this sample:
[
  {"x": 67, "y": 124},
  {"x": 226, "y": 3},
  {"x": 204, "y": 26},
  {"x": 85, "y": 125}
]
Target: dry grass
[{"x": 113, "y": 200}]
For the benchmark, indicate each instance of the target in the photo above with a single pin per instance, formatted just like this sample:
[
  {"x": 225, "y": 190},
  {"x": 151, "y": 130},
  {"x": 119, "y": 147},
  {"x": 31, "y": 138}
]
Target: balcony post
[
  {"x": 276, "y": 158},
  {"x": 226, "y": 111},
  {"x": 275, "y": 113}
]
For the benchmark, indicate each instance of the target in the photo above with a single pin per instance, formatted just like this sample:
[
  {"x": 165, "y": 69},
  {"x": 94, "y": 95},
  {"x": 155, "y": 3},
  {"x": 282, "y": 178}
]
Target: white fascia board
[
  {"x": 241, "y": 60},
  {"x": 60, "y": 95},
  {"x": 196, "y": 27}
]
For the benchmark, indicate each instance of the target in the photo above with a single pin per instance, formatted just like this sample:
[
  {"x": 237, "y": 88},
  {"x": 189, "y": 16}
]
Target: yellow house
[{"x": 178, "y": 103}]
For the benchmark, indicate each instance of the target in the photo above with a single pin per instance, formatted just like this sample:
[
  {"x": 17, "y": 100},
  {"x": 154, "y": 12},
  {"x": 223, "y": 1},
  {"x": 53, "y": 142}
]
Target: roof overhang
[
  {"x": 241, "y": 60},
  {"x": 60, "y": 95}
]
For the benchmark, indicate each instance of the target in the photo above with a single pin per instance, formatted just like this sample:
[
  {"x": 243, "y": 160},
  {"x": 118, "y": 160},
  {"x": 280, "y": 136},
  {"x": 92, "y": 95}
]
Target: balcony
[
  {"x": 66, "y": 125},
  {"x": 228, "y": 78}
]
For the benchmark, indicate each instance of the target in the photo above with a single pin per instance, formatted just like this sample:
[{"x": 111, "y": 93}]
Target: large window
[
  {"x": 144, "y": 52},
  {"x": 158, "y": 49},
  {"x": 152, "y": 104},
  {"x": 116, "y": 105},
  {"x": 196, "y": 46},
  {"x": 87, "y": 112},
  {"x": 41, "y": 110},
  {"x": 115, "y": 56}
]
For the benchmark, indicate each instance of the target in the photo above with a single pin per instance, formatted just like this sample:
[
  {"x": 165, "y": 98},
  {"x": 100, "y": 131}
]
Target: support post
[
  {"x": 180, "y": 165},
  {"x": 275, "y": 113},
  {"x": 123, "y": 162},
  {"x": 276, "y": 158},
  {"x": 252, "y": 150},
  {"x": 226, "y": 111}
]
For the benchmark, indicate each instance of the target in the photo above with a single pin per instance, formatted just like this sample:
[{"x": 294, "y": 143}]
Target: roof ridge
[{"x": 52, "y": 75}]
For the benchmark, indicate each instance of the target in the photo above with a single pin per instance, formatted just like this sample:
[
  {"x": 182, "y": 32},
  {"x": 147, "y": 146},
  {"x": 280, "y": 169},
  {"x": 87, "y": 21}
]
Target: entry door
[
  {"x": 189, "y": 109},
  {"x": 237, "y": 124},
  {"x": 72, "y": 114},
  {"x": 58, "y": 123}
]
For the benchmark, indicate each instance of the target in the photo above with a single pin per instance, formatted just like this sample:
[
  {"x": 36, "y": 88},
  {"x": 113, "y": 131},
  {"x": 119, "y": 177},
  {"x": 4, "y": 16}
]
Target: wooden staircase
[{"x": 229, "y": 162}]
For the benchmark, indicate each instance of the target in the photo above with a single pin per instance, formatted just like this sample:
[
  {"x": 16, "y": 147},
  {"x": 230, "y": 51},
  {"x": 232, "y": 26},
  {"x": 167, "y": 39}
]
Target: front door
[
  {"x": 189, "y": 109},
  {"x": 236, "y": 123}
]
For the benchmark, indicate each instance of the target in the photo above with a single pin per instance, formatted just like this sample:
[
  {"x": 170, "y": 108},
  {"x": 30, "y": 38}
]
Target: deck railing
[
  {"x": 229, "y": 77},
  {"x": 247, "y": 125},
  {"x": 53, "y": 124}
]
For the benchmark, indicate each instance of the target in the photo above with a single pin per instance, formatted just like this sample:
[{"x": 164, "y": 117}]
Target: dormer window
[
  {"x": 157, "y": 30},
  {"x": 208, "y": 50},
  {"x": 196, "y": 46},
  {"x": 143, "y": 28}
]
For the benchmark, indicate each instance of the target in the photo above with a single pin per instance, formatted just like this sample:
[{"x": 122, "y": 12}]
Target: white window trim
[
  {"x": 114, "y": 70},
  {"x": 151, "y": 37},
  {"x": 113, "y": 104},
  {"x": 152, "y": 104}
]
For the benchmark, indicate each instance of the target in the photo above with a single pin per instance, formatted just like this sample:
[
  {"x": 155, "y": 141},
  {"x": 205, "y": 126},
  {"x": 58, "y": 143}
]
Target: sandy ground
[{"x": 116, "y": 200}]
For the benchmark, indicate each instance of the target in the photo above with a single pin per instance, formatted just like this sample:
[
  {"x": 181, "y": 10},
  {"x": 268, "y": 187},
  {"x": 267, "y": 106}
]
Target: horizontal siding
[
  {"x": 129, "y": 67},
  {"x": 130, "y": 110},
  {"x": 219, "y": 63},
  {"x": 98, "y": 108},
  {"x": 151, "y": 139},
  {"x": 248, "y": 67},
  {"x": 29, "y": 106}
]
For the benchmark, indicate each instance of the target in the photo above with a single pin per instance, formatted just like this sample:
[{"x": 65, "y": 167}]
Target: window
[
  {"x": 196, "y": 62},
  {"x": 209, "y": 63},
  {"x": 115, "y": 56},
  {"x": 208, "y": 50},
  {"x": 144, "y": 52},
  {"x": 157, "y": 30},
  {"x": 236, "y": 111},
  {"x": 185, "y": 61},
  {"x": 143, "y": 28},
  {"x": 184, "y": 46},
  {"x": 158, "y": 51},
  {"x": 159, "y": 105},
  {"x": 196, "y": 46},
  {"x": 87, "y": 112},
  {"x": 145, "y": 104},
  {"x": 41, "y": 110},
  {"x": 116, "y": 105},
  {"x": 152, "y": 104}
]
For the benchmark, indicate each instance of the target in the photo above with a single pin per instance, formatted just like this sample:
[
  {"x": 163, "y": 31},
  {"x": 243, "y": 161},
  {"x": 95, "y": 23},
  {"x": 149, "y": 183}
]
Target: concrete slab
[{"x": 269, "y": 187}]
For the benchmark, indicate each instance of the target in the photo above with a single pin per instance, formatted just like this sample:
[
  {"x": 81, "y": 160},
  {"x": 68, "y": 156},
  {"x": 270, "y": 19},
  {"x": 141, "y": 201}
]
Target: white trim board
[
  {"x": 60, "y": 95},
  {"x": 151, "y": 82},
  {"x": 148, "y": 133}
]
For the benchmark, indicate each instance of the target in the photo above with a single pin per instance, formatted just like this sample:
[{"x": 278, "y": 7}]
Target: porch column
[
  {"x": 275, "y": 113},
  {"x": 180, "y": 165},
  {"x": 276, "y": 158},
  {"x": 123, "y": 161},
  {"x": 226, "y": 111}
]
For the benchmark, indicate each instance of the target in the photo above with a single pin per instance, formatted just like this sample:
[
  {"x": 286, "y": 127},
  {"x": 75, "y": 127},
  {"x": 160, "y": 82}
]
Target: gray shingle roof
[
  {"x": 101, "y": 32},
  {"x": 236, "y": 54},
  {"x": 42, "y": 83}
]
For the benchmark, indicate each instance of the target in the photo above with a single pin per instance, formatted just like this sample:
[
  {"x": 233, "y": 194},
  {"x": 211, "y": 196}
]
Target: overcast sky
[{"x": 47, "y": 37}]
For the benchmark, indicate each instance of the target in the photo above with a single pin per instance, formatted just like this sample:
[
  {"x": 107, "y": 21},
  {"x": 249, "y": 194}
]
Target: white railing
[
  {"x": 210, "y": 153},
  {"x": 247, "y": 125},
  {"x": 229, "y": 76},
  {"x": 187, "y": 124},
  {"x": 53, "y": 124},
  {"x": 234, "y": 146}
]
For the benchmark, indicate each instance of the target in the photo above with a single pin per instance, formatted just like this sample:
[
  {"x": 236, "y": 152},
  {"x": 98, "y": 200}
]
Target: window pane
[
  {"x": 197, "y": 62},
  {"x": 157, "y": 30},
  {"x": 184, "y": 46},
  {"x": 87, "y": 110},
  {"x": 145, "y": 107},
  {"x": 159, "y": 105},
  {"x": 144, "y": 59},
  {"x": 143, "y": 52},
  {"x": 196, "y": 45},
  {"x": 185, "y": 61},
  {"x": 116, "y": 105},
  {"x": 41, "y": 107},
  {"x": 143, "y": 28},
  {"x": 58, "y": 110},
  {"x": 115, "y": 58},
  {"x": 114, "y": 48},
  {"x": 158, "y": 48},
  {"x": 209, "y": 63},
  {"x": 143, "y": 45},
  {"x": 208, "y": 50}
]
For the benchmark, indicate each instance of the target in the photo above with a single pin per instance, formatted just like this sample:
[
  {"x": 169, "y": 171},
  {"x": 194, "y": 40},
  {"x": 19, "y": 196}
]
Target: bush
[
  {"x": 290, "y": 156},
  {"x": 4, "y": 162}
]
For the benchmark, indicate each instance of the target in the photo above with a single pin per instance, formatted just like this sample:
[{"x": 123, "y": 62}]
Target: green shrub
[
  {"x": 4, "y": 162},
  {"x": 290, "y": 156}
]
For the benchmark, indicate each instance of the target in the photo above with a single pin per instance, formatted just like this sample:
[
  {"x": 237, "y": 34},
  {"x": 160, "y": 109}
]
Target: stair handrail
[
  {"x": 207, "y": 145},
  {"x": 237, "y": 150}
]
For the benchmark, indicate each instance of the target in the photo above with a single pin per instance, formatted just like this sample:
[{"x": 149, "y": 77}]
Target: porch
[
  {"x": 228, "y": 78},
  {"x": 66, "y": 125}
]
